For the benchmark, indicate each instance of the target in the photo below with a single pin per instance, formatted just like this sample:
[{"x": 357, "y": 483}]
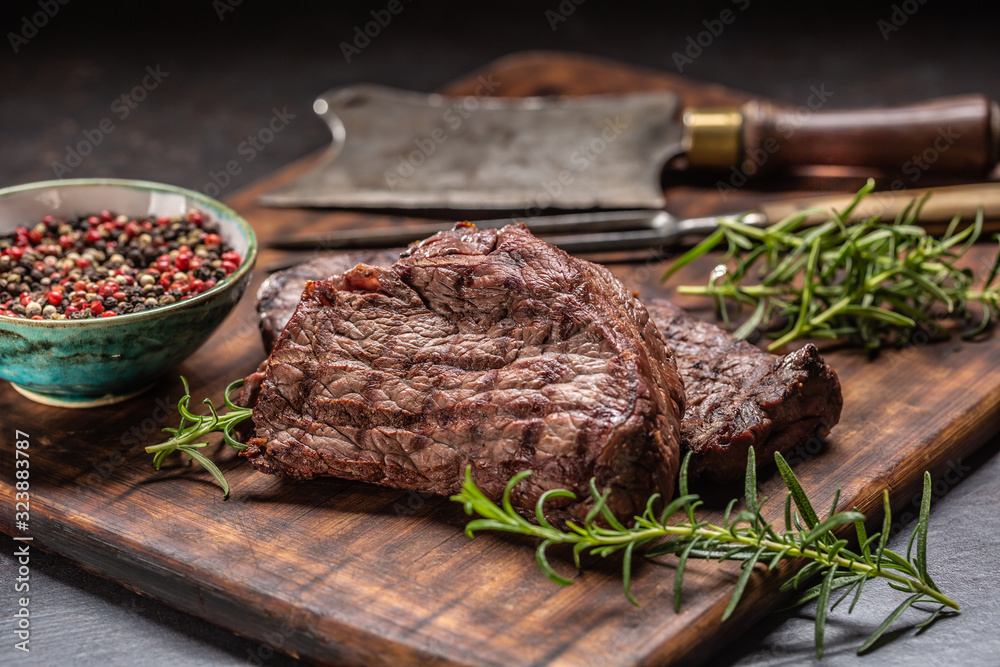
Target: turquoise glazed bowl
[{"x": 84, "y": 363}]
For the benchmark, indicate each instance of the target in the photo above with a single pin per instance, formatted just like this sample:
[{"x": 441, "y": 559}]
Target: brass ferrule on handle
[{"x": 713, "y": 137}]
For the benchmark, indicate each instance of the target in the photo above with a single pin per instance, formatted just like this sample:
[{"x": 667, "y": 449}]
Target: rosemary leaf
[
  {"x": 921, "y": 529},
  {"x": 811, "y": 547},
  {"x": 798, "y": 495},
  {"x": 822, "y": 604},
  {"x": 873, "y": 282},
  {"x": 890, "y": 619},
  {"x": 679, "y": 574},
  {"x": 187, "y": 436},
  {"x": 741, "y": 583}
]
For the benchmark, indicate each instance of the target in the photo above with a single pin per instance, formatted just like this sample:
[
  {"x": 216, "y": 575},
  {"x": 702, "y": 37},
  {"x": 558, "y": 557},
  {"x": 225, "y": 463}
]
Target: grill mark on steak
[
  {"x": 739, "y": 396},
  {"x": 736, "y": 394},
  {"x": 279, "y": 294},
  {"x": 482, "y": 347}
]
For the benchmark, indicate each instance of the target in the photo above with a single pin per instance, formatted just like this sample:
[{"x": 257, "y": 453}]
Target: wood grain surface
[{"x": 339, "y": 572}]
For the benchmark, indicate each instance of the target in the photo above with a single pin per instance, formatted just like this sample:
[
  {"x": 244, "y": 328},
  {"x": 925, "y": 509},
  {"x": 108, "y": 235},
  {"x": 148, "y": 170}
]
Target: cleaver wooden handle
[{"x": 954, "y": 135}]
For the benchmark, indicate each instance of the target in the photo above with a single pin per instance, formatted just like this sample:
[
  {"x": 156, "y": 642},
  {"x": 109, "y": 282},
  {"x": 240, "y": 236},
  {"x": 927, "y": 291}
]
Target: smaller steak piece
[
  {"x": 738, "y": 395},
  {"x": 482, "y": 348},
  {"x": 279, "y": 294}
]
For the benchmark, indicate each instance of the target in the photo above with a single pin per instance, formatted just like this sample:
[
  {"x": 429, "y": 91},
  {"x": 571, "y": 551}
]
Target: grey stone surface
[
  {"x": 963, "y": 556},
  {"x": 79, "y": 619},
  {"x": 228, "y": 70}
]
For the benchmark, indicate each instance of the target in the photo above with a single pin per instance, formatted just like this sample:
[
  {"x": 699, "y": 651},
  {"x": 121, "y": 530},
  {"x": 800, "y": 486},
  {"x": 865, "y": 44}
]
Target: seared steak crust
[
  {"x": 278, "y": 296},
  {"x": 488, "y": 348},
  {"x": 738, "y": 395}
]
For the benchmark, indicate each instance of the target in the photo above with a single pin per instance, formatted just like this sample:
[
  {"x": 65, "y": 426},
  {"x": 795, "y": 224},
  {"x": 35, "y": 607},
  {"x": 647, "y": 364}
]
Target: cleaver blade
[{"x": 396, "y": 149}]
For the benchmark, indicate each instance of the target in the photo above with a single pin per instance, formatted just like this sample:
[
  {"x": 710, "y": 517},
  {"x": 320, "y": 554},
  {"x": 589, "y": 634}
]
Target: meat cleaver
[{"x": 396, "y": 149}]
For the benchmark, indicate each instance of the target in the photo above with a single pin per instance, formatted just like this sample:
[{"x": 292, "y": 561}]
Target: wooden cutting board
[{"x": 345, "y": 573}]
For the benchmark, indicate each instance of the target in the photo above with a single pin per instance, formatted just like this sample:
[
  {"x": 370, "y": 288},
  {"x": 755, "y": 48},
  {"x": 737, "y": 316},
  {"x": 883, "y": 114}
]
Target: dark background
[
  {"x": 230, "y": 65},
  {"x": 227, "y": 73}
]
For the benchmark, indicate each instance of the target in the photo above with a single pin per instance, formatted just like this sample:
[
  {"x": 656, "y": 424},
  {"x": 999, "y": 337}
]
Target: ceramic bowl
[{"x": 84, "y": 363}]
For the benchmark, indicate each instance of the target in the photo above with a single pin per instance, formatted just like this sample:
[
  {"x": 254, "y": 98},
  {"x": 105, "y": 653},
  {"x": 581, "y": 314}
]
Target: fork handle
[{"x": 944, "y": 204}]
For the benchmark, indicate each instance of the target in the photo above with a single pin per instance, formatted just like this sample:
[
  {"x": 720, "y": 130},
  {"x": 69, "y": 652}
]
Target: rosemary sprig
[
  {"x": 812, "y": 543},
  {"x": 872, "y": 282},
  {"x": 185, "y": 437}
]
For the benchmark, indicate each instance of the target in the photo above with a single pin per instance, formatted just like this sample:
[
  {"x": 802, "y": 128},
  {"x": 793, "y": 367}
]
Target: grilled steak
[
  {"x": 738, "y": 396},
  {"x": 279, "y": 294},
  {"x": 482, "y": 348}
]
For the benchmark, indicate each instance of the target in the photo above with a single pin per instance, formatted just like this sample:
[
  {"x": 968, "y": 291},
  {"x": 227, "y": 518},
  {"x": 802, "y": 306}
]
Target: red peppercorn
[
  {"x": 182, "y": 261},
  {"x": 35, "y": 236},
  {"x": 82, "y": 263},
  {"x": 119, "y": 296},
  {"x": 108, "y": 313},
  {"x": 106, "y": 216},
  {"x": 212, "y": 240},
  {"x": 108, "y": 289},
  {"x": 25, "y": 298},
  {"x": 195, "y": 218},
  {"x": 66, "y": 241},
  {"x": 94, "y": 235},
  {"x": 163, "y": 222},
  {"x": 36, "y": 317},
  {"x": 55, "y": 297},
  {"x": 96, "y": 308},
  {"x": 228, "y": 267},
  {"x": 133, "y": 229},
  {"x": 231, "y": 256},
  {"x": 79, "y": 286},
  {"x": 93, "y": 221},
  {"x": 197, "y": 286},
  {"x": 16, "y": 252}
]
